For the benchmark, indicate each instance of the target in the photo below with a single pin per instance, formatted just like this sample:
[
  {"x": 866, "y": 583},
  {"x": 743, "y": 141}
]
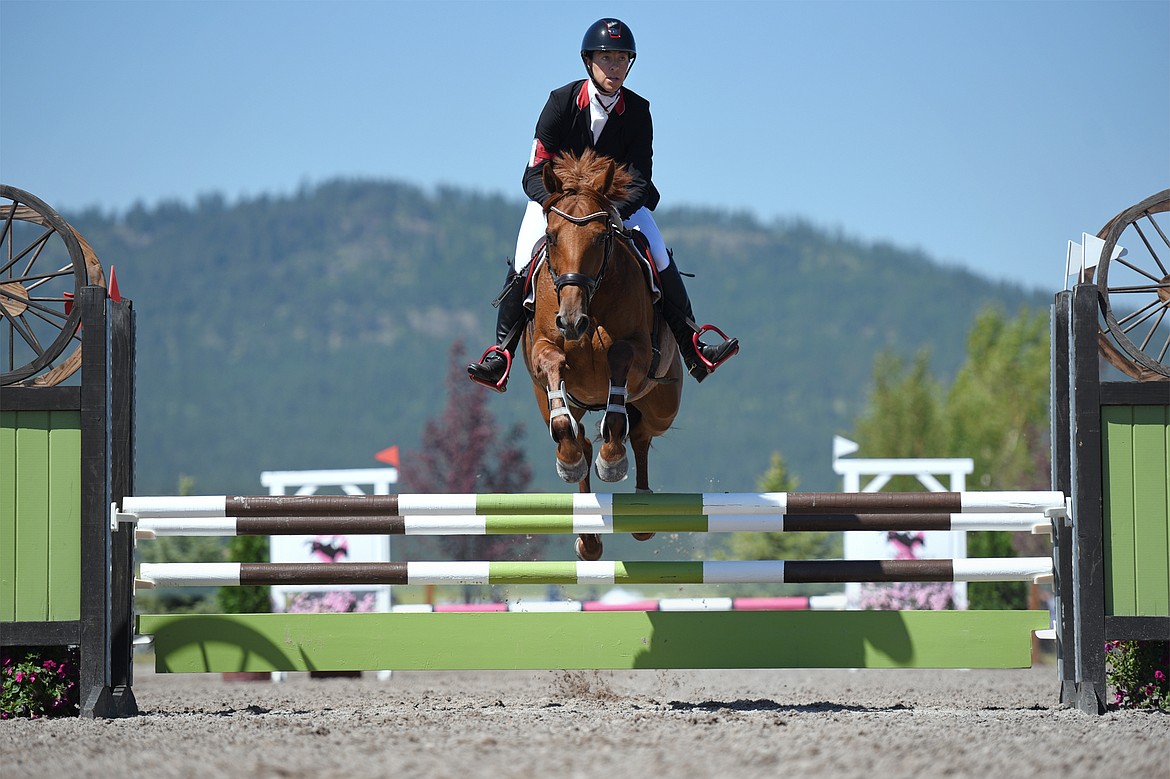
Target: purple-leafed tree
[{"x": 462, "y": 451}]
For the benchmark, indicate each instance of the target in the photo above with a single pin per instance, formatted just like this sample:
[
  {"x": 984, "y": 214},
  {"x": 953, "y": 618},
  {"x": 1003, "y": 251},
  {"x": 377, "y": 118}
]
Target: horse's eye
[{"x": 601, "y": 239}]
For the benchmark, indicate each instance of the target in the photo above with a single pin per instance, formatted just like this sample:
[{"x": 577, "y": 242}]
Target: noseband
[{"x": 584, "y": 281}]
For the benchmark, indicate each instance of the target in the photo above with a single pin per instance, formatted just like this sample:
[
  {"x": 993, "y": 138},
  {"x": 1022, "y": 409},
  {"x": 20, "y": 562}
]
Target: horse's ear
[
  {"x": 608, "y": 182},
  {"x": 552, "y": 184}
]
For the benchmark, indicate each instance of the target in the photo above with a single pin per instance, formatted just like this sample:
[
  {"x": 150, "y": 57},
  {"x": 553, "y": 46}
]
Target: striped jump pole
[
  {"x": 605, "y": 504},
  {"x": 600, "y": 572},
  {"x": 552, "y": 524}
]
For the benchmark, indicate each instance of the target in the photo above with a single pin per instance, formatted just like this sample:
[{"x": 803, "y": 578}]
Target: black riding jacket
[{"x": 627, "y": 138}]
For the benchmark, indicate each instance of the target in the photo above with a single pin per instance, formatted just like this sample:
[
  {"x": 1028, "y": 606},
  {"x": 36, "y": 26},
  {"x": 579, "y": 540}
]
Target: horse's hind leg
[
  {"x": 588, "y": 545},
  {"x": 640, "y": 442}
]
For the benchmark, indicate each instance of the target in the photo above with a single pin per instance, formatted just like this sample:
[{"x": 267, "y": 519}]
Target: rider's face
[{"x": 609, "y": 69}]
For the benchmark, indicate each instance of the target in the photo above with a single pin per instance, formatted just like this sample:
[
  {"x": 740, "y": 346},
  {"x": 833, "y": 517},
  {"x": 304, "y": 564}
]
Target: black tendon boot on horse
[
  {"x": 676, "y": 310},
  {"x": 492, "y": 369}
]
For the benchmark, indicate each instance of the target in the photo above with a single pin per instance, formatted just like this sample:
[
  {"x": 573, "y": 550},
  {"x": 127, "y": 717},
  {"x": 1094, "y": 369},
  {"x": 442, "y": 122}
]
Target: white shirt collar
[
  {"x": 599, "y": 111},
  {"x": 595, "y": 95}
]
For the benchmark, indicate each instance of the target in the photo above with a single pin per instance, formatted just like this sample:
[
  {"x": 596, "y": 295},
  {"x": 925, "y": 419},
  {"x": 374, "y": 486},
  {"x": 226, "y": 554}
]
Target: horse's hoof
[
  {"x": 610, "y": 472},
  {"x": 642, "y": 536},
  {"x": 575, "y": 472},
  {"x": 589, "y": 551}
]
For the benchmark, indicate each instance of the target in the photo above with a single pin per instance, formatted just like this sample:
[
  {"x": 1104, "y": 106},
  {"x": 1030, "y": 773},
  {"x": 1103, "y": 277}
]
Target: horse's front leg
[
  {"x": 574, "y": 449},
  {"x": 563, "y": 421},
  {"x": 612, "y": 463}
]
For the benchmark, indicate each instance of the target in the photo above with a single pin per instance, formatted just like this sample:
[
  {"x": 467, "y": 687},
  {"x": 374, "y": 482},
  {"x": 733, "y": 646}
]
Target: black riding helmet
[{"x": 607, "y": 35}]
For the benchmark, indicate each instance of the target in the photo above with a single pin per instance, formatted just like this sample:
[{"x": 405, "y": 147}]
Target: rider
[{"x": 598, "y": 113}]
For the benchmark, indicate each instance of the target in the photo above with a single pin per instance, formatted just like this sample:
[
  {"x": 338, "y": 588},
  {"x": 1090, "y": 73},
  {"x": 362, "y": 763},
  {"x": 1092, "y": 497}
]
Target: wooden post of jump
[{"x": 70, "y": 581}]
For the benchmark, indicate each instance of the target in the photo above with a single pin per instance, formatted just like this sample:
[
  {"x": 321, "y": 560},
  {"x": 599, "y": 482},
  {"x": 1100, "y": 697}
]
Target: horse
[{"x": 590, "y": 345}]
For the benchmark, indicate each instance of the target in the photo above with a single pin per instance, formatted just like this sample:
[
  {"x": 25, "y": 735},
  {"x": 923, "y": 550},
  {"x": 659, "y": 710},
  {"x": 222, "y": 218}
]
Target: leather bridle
[{"x": 584, "y": 281}]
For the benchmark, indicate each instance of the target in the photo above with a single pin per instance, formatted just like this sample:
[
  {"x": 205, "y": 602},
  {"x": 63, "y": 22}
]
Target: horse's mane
[{"x": 587, "y": 173}]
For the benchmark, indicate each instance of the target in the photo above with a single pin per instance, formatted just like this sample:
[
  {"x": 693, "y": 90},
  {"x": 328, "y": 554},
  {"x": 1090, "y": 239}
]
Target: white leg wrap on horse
[
  {"x": 563, "y": 411},
  {"x": 616, "y": 408}
]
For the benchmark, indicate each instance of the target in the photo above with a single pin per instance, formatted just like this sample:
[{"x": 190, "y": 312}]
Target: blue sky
[{"x": 986, "y": 134}]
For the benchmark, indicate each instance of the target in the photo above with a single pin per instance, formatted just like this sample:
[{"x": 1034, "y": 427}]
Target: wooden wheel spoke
[
  {"x": 38, "y": 279},
  {"x": 1152, "y": 310},
  {"x": 20, "y": 327},
  {"x": 35, "y": 247},
  {"x": 1157, "y": 323},
  {"x": 1153, "y": 253},
  {"x": 1147, "y": 309},
  {"x": 1140, "y": 271},
  {"x": 1139, "y": 288},
  {"x": 54, "y": 316},
  {"x": 9, "y": 215}
]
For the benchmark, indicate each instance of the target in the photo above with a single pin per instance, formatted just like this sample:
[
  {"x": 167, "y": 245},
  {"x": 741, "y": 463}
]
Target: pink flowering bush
[
  {"x": 330, "y": 602},
  {"x": 39, "y": 682},
  {"x": 1139, "y": 673},
  {"x": 907, "y": 595}
]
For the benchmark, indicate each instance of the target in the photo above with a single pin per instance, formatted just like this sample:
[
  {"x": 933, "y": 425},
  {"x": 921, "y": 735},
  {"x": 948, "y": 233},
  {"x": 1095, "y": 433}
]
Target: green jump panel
[
  {"x": 40, "y": 516},
  {"x": 1136, "y": 502},
  {"x": 219, "y": 643}
]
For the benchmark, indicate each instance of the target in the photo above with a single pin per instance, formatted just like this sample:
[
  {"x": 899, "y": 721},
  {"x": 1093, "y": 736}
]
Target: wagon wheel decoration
[
  {"x": 1134, "y": 289},
  {"x": 43, "y": 266}
]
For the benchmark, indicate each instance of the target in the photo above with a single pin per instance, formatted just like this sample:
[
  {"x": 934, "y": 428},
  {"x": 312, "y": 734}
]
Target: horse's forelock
[{"x": 586, "y": 174}]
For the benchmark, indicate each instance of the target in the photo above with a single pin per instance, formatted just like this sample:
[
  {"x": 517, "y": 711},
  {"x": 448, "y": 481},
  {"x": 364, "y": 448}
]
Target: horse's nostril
[{"x": 572, "y": 330}]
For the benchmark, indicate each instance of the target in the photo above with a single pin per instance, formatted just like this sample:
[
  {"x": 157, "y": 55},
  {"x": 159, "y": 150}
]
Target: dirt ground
[{"x": 598, "y": 724}]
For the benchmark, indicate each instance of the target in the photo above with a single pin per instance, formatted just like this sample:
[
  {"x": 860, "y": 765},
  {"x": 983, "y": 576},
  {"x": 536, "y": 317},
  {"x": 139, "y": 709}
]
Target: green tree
[
  {"x": 247, "y": 599},
  {"x": 906, "y": 415},
  {"x": 995, "y": 412},
  {"x": 997, "y": 407},
  {"x": 785, "y": 546}
]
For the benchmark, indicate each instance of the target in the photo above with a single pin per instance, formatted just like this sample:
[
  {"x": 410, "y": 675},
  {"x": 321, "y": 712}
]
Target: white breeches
[{"x": 532, "y": 230}]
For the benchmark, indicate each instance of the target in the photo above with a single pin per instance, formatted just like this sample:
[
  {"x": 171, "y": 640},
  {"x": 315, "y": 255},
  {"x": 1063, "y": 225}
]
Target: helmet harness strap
[{"x": 587, "y": 59}]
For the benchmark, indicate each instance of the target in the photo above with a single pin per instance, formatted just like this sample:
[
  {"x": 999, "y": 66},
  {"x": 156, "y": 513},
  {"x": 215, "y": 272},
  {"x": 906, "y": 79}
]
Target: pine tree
[
  {"x": 906, "y": 415},
  {"x": 997, "y": 408},
  {"x": 786, "y": 546}
]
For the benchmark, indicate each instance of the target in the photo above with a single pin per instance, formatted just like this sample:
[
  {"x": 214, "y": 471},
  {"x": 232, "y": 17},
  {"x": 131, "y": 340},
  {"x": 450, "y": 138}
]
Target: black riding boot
[
  {"x": 492, "y": 369},
  {"x": 676, "y": 309}
]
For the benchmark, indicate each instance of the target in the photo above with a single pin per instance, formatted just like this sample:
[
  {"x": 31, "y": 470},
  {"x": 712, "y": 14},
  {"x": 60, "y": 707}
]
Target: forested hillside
[{"x": 313, "y": 330}]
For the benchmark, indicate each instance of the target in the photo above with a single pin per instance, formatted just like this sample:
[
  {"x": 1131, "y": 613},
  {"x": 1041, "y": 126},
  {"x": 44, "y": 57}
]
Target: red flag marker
[
  {"x": 112, "y": 290},
  {"x": 389, "y": 455}
]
